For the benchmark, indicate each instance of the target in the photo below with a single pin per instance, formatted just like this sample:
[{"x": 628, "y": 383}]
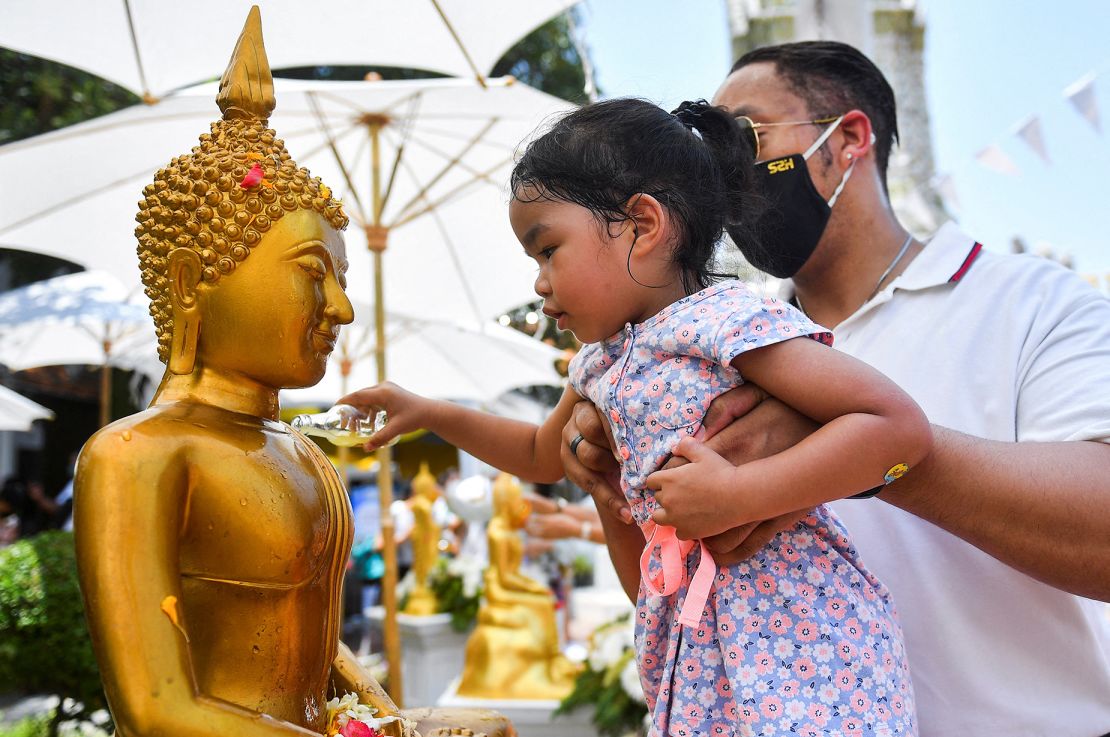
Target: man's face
[{"x": 758, "y": 92}]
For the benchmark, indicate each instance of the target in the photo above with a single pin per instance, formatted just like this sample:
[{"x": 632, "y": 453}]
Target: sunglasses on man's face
[{"x": 750, "y": 128}]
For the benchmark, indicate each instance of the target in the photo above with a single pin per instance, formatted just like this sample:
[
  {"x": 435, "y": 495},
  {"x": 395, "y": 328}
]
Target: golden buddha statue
[
  {"x": 513, "y": 653},
  {"x": 212, "y": 538},
  {"x": 425, "y": 543}
]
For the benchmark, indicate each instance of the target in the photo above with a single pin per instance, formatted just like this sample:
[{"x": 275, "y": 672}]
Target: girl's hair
[{"x": 695, "y": 161}]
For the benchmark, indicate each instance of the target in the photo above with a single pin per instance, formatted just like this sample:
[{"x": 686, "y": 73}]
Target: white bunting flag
[
  {"x": 996, "y": 159},
  {"x": 1030, "y": 132},
  {"x": 1081, "y": 94}
]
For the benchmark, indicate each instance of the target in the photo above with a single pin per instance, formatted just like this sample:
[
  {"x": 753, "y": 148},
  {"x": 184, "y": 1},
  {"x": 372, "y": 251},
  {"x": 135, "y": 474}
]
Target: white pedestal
[
  {"x": 531, "y": 717},
  {"x": 431, "y": 654}
]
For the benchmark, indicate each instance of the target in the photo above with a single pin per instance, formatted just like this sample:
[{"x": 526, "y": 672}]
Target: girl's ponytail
[{"x": 732, "y": 151}]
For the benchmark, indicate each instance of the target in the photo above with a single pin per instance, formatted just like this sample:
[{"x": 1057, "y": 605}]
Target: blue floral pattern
[{"x": 800, "y": 639}]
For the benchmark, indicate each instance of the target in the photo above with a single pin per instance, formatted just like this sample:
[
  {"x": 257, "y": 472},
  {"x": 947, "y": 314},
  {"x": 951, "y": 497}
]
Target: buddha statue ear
[{"x": 185, "y": 275}]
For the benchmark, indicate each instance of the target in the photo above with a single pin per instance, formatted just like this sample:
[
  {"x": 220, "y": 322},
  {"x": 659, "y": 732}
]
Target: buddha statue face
[{"x": 275, "y": 320}]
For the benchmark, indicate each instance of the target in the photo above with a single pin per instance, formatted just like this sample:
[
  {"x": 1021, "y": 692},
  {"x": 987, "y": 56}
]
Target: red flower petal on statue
[
  {"x": 355, "y": 728},
  {"x": 253, "y": 177}
]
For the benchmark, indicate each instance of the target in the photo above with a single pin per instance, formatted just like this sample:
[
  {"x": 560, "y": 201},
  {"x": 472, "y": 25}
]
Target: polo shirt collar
[{"x": 946, "y": 258}]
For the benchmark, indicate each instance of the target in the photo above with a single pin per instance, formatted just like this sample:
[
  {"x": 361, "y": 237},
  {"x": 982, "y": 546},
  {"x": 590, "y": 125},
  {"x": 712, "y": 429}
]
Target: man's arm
[
  {"x": 1038, "y": 507},
  {"x": 1042, "y": 508}
]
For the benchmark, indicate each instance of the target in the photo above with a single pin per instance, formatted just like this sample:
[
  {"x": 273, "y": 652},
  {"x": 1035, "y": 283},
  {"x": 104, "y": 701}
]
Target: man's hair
[{"x": 833, "y": 78}]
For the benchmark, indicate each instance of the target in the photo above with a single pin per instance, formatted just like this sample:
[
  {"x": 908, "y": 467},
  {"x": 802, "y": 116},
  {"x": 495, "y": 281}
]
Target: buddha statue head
[
  {"x": 424, "y": 484},
  {"x": 509, "y": 503},
  {"x": 219, "y": 225}
]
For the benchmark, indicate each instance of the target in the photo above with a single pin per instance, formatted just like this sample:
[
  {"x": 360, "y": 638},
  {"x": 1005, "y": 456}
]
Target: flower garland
[{"x": 349, "y": 718}]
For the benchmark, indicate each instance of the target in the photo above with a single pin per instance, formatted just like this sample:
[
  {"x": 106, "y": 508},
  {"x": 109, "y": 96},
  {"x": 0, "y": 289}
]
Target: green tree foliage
[
  {"x": 44, "y": 640},
  {"x": 548, "y": 60},
  {"x": 41, "y": 95}
]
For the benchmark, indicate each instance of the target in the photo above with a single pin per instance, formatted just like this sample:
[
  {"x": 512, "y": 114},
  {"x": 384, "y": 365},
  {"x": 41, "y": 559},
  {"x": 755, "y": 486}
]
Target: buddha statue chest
[
  {"x": 264, "y": 542},
  {"x": 270, "y": 517}
]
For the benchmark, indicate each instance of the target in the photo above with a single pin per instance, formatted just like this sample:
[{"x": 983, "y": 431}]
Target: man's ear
[
  {"x": 856, "y": 138},
  {"x": 648, "y": 223},
  {"x": 185, "y": 273}
]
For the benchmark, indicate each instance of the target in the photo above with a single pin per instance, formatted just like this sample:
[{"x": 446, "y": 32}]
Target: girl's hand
[
  {"x": 690, "y": 495},
  {"x": 404, "y": 410}
]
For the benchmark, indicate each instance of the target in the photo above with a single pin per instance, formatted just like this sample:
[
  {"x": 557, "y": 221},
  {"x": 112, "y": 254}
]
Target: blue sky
[{"x": 989, "y": 65}]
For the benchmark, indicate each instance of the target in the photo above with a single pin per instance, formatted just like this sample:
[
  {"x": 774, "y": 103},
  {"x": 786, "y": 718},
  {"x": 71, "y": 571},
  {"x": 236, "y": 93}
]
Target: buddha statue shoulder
[{"x": 211, "y": 537}]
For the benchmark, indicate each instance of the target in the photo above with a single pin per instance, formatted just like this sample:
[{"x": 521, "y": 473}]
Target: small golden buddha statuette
[
  {"x": 513, "y": 653},
  {"x": 425, "y": 543}
]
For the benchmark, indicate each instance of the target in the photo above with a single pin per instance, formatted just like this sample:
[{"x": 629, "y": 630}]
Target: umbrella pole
[
  {"x": 105, "y": 394},
  {"x": 385, "y": 455},
  {"x": 343, "y": 451},
  {"x": 106, "y": 384}
]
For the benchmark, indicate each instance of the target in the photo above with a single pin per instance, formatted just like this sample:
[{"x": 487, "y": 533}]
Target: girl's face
[{"x": 582, "y": 277}]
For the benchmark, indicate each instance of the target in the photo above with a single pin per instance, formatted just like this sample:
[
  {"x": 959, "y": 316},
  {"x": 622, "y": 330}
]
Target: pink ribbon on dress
[{"x": 672, "y": 556}]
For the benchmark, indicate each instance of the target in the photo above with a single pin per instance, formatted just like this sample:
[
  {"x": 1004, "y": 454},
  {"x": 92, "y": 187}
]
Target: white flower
[
  {"x": 609, "y": 646},
  {"x": 827, "y": 693},
  {"x": 79, "y": 728},
  {"x": 630, "y": 682},
  {"x": 470, "y": 570}
]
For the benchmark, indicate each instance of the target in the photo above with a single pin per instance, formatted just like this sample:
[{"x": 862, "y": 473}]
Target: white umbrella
[
  {"x": 72, "y": 193},
  {"x": 17, "y": 412},
  {"x": 153, "y": 47},
  {"x": 84, "y": 318},
  {"x": 441, "y": 360}
]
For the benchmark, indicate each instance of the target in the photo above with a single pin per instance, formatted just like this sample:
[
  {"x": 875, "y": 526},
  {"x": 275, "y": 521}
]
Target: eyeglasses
[{"x": 750, "y": 128}]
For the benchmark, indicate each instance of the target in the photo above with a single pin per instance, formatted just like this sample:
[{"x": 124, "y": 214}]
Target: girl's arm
[
  {"x": 520, "y": 448},
  {"x": 869, "y": 427}
]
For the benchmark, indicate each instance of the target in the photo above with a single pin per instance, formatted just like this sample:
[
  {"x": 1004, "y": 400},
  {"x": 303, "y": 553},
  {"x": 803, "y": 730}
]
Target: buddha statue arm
[
  {"x": 348, "y": 676},
  {"x": 130, "y": 504},
  {"x": 505, "y": 554}
]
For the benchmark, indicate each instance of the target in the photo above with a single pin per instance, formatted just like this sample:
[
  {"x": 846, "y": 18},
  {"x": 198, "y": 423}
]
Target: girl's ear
[{"x": 649, "y": 224}]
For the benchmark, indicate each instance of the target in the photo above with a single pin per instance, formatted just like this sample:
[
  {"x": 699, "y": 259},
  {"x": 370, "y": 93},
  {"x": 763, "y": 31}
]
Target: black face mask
[{"x": 796, "y": 214}]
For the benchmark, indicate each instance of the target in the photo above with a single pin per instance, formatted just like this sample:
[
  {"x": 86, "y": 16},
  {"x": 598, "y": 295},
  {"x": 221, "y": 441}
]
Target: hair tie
[{"x": 689, "y": 112}]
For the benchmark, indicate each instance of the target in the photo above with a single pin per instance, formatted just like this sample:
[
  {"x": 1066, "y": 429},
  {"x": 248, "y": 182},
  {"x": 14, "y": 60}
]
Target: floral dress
[{"x": 799, "y": 639}]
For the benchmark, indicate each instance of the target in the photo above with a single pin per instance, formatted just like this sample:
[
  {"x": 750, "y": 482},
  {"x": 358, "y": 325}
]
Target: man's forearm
[{"x": 1042, "y": 508}]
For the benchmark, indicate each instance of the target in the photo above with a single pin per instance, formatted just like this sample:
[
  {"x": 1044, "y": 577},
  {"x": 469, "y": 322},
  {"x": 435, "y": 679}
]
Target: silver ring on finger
[{"x": 574, "y": 444}]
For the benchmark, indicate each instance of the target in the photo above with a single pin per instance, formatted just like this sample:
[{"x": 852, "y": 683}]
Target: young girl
[{"x": 621, "y": 205}]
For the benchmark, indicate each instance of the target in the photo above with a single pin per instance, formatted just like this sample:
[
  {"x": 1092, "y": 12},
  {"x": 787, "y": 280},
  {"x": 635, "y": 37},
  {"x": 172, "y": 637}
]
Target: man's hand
[
  {"x": 592, "y": 466},
  {"x": 555, "y": 526},
  {"x": 746, "y": 424}
]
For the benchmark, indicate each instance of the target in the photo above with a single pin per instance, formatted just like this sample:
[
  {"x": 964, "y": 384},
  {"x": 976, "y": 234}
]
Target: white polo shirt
[{"x": 1008, "y": 348}]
